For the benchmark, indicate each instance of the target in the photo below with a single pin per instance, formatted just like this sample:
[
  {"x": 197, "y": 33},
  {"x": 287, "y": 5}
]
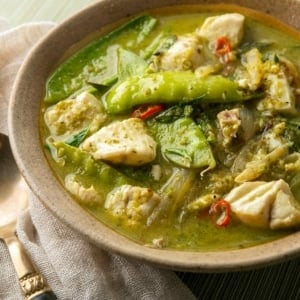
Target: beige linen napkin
[{"x": 74, "y": 268}]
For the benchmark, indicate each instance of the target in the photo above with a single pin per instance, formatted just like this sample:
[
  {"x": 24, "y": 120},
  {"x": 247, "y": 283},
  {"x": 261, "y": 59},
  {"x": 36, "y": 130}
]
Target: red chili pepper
[
  {"x": 147, "y": 111},
  {"x": 221, "y": 208},
  {"x": 223, "y": 48},
  {"x": 223, "y": 45}
]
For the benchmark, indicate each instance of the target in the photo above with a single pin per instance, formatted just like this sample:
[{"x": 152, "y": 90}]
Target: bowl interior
[{"x": 24, "y": 114}]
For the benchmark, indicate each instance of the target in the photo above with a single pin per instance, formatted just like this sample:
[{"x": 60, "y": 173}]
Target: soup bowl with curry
[{"x": 168, "y": 132}]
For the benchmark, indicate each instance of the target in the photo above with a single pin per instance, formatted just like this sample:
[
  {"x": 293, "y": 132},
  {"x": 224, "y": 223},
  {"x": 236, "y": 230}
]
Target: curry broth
[{"x": 196, "y": 231}]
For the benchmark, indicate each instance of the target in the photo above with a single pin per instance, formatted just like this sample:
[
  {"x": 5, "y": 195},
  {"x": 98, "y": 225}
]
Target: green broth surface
[{"x": 195, "y": 231}]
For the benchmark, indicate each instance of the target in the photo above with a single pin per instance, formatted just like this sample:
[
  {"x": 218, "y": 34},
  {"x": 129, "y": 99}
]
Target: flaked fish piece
[
  {"x": 122, "y": 142},
  {"x": 265, "y": 204},
  {"x": 229, "y": 25},
  {"x": 134, "y": 203}
]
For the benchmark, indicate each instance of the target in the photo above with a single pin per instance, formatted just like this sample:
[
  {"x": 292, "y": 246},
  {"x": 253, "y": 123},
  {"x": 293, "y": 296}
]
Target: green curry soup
[{"x": 180, "y": 129}]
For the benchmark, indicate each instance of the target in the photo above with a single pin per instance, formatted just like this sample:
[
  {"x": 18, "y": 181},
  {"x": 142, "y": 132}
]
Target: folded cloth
[{"x": 73, "y": 268}]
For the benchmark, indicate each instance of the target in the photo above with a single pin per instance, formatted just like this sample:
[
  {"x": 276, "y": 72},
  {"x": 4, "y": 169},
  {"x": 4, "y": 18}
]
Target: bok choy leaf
[{"x": 183, "y": 143}]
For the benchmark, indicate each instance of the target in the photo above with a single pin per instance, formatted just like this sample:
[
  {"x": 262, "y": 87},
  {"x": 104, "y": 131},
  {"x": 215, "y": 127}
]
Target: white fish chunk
[
  {"x": 251, "y": 202},
  {"x": 69, "y": 116},
  {"x": 229, "y": 25},
  {"x": 184, "y": 54},
  {"x": 265, "y": 204},
  {"x": 85, "y": 195},
  {"x": 285, "y": 211},
  {"x": 230, "y": 123},
  {"x": 134, "y": 202},
  {"x": 122, "y": 142}
]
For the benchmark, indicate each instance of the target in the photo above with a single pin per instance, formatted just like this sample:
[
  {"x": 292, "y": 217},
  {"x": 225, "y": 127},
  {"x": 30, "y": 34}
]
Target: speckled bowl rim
[{"x": 23, "y": 118}]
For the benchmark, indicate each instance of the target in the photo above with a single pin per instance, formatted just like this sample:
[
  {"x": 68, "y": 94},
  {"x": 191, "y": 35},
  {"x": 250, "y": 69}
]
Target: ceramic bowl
[{"x": 24, "y": 113}]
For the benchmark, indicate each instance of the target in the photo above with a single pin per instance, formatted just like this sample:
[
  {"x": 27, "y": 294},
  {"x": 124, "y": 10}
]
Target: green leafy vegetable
[
  {"x": 110, "y": 75},
  {"x": 124, "y": 64},
  {"x": 183, "y": 143},
  {"x": 92, "y": 60},
  {"x": 293, "y": 130},
  {"x": 130, "y": 64},
  {"x": 174, "y": 112},
  {"x": 161, "y": 43},
  {"x": 77, "y": 138},
  {"x": 262, "y": 45}
]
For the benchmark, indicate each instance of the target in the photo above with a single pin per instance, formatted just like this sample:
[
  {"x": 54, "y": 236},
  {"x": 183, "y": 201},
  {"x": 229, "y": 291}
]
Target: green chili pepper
[
  {"x": 75, "y": 72},
  {"x": 172, "y": 87}
]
